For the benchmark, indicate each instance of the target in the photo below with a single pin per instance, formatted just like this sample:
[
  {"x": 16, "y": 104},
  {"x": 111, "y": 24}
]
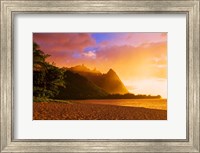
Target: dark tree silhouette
[{"x": 46, "y": 77}]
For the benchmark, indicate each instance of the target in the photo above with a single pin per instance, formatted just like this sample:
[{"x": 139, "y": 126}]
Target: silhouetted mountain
[
  {"x": 79, "y": 87},
  {"x": 83, "y": 69},
  {"x": 109, "y": 82}
]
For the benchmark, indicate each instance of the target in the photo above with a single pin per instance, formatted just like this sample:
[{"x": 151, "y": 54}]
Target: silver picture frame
[{"x": 11, "y": 7}]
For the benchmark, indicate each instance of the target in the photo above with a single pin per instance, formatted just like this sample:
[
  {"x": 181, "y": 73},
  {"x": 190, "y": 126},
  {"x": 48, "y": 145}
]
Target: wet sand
[{"x": 77, "y": 111}]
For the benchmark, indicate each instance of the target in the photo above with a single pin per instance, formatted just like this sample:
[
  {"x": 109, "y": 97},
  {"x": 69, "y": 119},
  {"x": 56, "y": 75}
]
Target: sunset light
[{"x": 139, "y": 59}]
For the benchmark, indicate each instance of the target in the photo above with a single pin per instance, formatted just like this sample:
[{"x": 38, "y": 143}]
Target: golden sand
[{"x": 75, "y": 111}]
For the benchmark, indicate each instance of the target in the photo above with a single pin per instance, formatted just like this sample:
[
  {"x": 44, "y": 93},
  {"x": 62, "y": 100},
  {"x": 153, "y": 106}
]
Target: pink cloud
[
  {"x": 90, "y": 54},
  {"x": 56, "y": 42},
  {"x": 135, "y": 54}
]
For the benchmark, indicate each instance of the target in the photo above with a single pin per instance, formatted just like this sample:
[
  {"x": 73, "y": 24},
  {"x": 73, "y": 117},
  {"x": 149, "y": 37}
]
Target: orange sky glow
[{"x": 139, "y": 59}]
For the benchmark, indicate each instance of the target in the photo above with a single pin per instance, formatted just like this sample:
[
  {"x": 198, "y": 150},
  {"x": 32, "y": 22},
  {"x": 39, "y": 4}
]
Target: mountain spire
[{"x": 111, "y": 71}]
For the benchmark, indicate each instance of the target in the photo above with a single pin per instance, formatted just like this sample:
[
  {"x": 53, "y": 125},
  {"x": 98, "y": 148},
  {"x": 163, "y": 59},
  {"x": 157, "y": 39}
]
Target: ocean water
[{"x": 160, "y": 104}]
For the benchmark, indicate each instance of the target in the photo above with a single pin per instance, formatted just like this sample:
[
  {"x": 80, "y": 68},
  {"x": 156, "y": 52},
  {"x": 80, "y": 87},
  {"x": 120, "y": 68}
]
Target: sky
[{"x": 138, "y": 58}]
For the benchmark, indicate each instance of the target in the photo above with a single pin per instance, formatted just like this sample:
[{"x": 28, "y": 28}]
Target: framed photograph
[
  {"x": 99, "y": 76},
  {"x": 128, "y": 75}
]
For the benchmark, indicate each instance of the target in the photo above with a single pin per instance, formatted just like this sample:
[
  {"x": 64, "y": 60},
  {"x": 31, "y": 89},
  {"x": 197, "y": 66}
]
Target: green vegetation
[
  {"x": 78, "y": 87},
  {"x": 46, "y": 78},
  {"x": 51, "y": 82},
  {"x": 109, "y": 82}
]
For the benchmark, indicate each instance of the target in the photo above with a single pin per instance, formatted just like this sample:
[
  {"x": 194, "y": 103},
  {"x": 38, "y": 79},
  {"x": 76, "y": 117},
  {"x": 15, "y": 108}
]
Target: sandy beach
[{"x": 77, "y": 111}]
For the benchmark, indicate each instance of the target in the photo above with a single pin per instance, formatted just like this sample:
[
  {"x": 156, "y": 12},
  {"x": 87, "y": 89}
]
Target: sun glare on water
[{"x": 148, "y": 86}]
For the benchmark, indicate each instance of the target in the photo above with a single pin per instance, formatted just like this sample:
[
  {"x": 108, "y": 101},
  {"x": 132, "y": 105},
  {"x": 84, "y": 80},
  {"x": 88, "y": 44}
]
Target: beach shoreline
[{"x": 80, "y": 111}]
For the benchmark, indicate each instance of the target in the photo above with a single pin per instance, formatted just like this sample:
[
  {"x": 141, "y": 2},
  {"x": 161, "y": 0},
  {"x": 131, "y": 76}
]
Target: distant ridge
[
  {"x": 109, "y": 82},
  {"x": 79, "y": 87},
  {"x": 83, "y": 68}
]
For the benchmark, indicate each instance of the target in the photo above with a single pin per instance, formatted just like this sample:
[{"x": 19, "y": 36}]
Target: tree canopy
[{"x": 47, "y": 78}]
